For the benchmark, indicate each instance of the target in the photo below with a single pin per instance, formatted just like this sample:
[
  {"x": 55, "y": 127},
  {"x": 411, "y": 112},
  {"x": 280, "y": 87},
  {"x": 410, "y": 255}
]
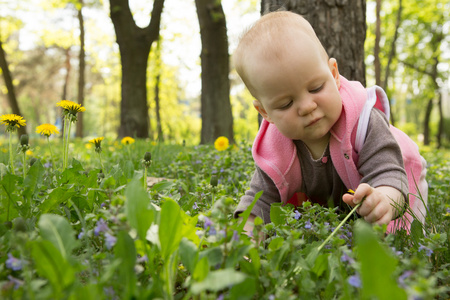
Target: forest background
[{"x": 66, "y": 49}]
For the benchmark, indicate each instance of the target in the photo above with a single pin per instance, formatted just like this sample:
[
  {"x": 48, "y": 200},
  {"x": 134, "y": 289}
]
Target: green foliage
[{"x": 77, "y": 234}]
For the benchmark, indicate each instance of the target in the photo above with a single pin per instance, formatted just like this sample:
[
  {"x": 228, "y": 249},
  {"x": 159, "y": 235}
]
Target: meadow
[{"x": 78, "y": 221}]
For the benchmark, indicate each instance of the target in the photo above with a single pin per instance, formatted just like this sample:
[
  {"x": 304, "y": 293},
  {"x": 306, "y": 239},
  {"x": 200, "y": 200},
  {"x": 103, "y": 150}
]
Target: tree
[
  {"x": 217, "y": 119},
  {"x": 82, "y": 67},
  {"x": 10, "y": 86},
  {"x": 340, "y": 26},
  {"x": 134, "y": 46}
]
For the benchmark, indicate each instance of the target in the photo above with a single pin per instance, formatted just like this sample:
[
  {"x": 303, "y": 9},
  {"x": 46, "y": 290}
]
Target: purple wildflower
[
  {"x": 101, "y": 226},
  {"x": 110, "y": 240},
  {"x": 297, "y": 215},
  {"x": 47, "y": 165},
  {"x": 346, "y": 258},
  {"x": 195, "y": 206},
  {"x": 354, "y": 281},
  {"x": 401, "y": 278},
  {"x": 427, "y": 250},
  {"x": 81, "y": 234},
  {"x": 13, "y": 263},
  {"x": 207, "y": 223},
  {"x": 398, "y": 253},
  {"x": 308, "y": 225},
  {"x": 142, "y": 259},
  {"x": 17, "y": 282},
  {"x": 271, "y": 297},
  {"x": 220, "y": 297},
  {"x": 235, "y": 236},
  {"x": 212, "y": 230}
]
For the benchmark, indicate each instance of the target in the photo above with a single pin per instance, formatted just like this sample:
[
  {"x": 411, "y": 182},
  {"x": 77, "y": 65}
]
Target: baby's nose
[{"x": 306, "y": 107}]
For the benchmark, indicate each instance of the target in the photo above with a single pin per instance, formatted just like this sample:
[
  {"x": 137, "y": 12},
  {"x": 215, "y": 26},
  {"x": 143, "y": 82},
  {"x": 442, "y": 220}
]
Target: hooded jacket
[{"x": 277, "y": 155}]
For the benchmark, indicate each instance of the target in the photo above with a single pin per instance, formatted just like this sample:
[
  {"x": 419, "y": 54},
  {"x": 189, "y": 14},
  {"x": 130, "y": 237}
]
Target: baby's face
[{"x": 296, "y": 89}]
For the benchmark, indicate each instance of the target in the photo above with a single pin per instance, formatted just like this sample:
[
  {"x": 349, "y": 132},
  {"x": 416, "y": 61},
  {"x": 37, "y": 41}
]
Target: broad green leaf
[
  {"x": 201, "y": 269},
  {"x": 126, "y": 252},
  {"x": 276, "y": 243},
  {"x": 33, "y": 178},
  {"x": 188, "y": 254},
  {"x": 321, "y": 264},
  {"x": 50, "y": 264},
  {"x": 139, "y": 213},
  {"x": 56, "y": 197},
  {"x": 377, "y": 266},
  {"x": 57, "y": 230},
  {"x": 244, "y": 290},
  {"x": 276, "y": 214},
  {"x": 163, "y": 185},
  {"x": 170, "y": 227},
  {"x": 218, "y": 280},
  {"x": 416, "y": 232}
]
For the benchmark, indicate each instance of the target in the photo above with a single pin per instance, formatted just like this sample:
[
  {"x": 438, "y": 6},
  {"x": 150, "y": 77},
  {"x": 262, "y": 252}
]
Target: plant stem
[
  {"x": 51, "y": 153},
  {"x": 11, "y": 160},
  {"x": 145, "y": 178},
  {"x": 67, "y": 144},
  {"x": 339, "y": 226},
  {"x": 64, "y": 143},
  {"x": 101, "y": 163},
  {"x": 24, "y": 166}
]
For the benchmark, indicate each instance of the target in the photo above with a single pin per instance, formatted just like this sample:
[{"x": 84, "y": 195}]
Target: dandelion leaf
[
  {"x": 170, "y": 227},
  {"x": 218, "y": 280},
  {"x": 377, "y": 266},
  {"x": 139, "y": 213}
]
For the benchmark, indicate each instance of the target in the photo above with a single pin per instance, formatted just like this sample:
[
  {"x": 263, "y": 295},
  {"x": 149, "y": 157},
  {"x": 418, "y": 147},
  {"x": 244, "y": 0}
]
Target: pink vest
[{"x": 277, "y": 156}]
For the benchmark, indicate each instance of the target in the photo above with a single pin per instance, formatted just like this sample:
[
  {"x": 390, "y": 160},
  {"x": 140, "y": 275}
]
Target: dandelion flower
[
  {"x": 221, "y": 143},
  {"x": 12, "y": 120},
  {"x": 47, "y": 129},
  {"x": 70, "y": 107},
  {"x": 127, "y": 140},
  {"x": 97, "y": 142}
]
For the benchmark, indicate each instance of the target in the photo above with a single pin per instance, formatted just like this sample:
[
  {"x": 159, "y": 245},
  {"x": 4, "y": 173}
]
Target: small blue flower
[
  {"x": 110, "y": 240},
  {"x": 235, "y": 236},
  {"x": 207, "y": 223},
  {"x": 401, "y": 278},
  {"x": 212, "y": 230},
  {"x": 13, "y": 263},
  {"x": 346, "y": 258},
  {"x": 47, "y": 165},
  {"x": 17, "y": 282},
  {"x": 297, "y": 215},
  {"x": 81, "y": 234},
  {"x": 195, "y": 206},
  {"x": 427, "y": 250},
  {"x": 308, "y": 225},
  {"x": 101, "y": 226},
  {"x": 271, "y": 297},
  {"x": 354, "y": 281},
  {"x": 220, "y": 297}
]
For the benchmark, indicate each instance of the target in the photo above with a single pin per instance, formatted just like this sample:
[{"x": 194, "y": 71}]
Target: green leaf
[
  {"x": 163, "y": 185},
  {"x": 244, "y": 290},
  {"x": 33, "y": 178},
  {"x": 188, "y": 254},
  {"x": 139, "y": 213},
  {"x": 218, "y": 280},
  {"x": 377, "y": 266},
  {"x": 321, "y": 264},
  {"x": 170, "y": 227},
  {"x": 57, "y": 230},
  {"x": 201, "y": 269},
  {"x": 50, "y": 264},
  {"x": 56, "y": 197},
  {"x": 126, "y": 252},
  {"x": 416, "y": 232},
  {"x": 276, "y": 215}
]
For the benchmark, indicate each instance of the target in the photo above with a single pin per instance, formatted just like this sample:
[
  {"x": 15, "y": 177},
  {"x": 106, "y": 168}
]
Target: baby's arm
[{"x": 381, "y": 204}]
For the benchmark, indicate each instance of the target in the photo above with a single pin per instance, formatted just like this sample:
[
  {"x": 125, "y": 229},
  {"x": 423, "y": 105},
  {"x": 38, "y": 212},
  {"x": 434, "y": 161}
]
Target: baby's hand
[{"x": 377, "y": 206}]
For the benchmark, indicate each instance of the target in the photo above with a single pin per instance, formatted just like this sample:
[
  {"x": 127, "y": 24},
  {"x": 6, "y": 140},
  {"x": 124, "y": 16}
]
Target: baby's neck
[{"x": 317, "y": 148}]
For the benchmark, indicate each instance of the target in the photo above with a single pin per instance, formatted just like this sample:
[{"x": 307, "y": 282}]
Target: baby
[{"x": 305, "y": 143}]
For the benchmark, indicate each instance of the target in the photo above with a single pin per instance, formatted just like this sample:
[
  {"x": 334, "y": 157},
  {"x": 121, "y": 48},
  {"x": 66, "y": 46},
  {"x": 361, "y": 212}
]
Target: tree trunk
[
  {"x": 440, "y": 131},
  {"x": 134, "y": 46},
  {"x": 426, "y": 123},
  {"x": 10, "y": 88},
  {"x": 217, "y": 119},
  {"x": 376, "y": 50},
  {"x": 82, "y": 66},
  {"x": 392, "y": 55},
  {"x": 340, "y": 26},
  {"x": 157, "y": 108}
]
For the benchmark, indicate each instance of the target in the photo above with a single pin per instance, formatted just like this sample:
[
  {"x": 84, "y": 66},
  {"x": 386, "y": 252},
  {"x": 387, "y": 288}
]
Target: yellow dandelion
[
  {"x": 97, "y": 142},
  {"x": 88, "y": 146},
  {"x": 47, "y": 129},
  {"x": 70, "y": 106},
  {"x": 221, "y": 143},
  {"x": 127, "y": 140},
  {"x": 29, "y": 153},
  {"x": 12, "y": 120}
]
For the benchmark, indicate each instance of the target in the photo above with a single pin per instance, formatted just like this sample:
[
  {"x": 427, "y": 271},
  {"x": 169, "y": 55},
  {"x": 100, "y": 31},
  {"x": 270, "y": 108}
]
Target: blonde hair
[{"x": 267, "y": 33}]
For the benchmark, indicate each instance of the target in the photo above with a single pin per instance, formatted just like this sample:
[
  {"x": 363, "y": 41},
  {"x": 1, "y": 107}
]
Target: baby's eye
[
  {"x": 316, "y": 90},
  {"x": 287, "y": 105}
]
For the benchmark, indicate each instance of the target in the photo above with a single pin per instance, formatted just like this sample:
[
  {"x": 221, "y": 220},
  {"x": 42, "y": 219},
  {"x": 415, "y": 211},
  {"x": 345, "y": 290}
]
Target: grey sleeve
[
  {"x": 260, "y": 182},
  {"x": 380, "y": 159}
]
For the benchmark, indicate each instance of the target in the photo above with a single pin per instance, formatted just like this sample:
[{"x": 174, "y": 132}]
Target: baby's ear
[
  {"x": 332, "y": 64},
  {"x": 260, "y": 108}
]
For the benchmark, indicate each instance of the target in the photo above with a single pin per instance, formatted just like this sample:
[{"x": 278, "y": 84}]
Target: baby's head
[
  {"x": 287, "y": 70},
  {"x": 270, "y": 38}
]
